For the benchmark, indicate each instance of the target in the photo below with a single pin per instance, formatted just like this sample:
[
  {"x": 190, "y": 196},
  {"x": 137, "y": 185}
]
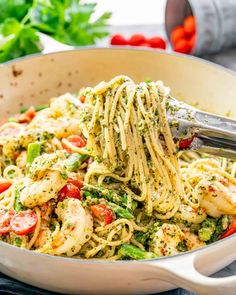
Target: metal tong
[{"x": 207, "y": 132}]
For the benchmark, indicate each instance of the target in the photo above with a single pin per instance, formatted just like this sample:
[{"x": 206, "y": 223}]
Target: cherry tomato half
[
  {"x": 102, "y": 212},
  {"x": 82, "y": 99},
  {"x": 4, "y": 186},
  {"x": 69, "y": 191},
  {"x": 27, "y": 116},
  {"x": 185, "y": 142},
  {"x": 231, "y": 230},
  {"x": 5, "y": 219},
  {"x": 23, "y": 222},
  {"x": 76, "y": 140}
]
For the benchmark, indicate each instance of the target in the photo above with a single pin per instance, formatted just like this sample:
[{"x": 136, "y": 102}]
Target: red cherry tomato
[
  {"x": 157, "y": 42},
  {"x": 182, "y": 46},
  {"x": 23, "y": 222},
  {"x": 136, "y": 40},
  {"x": 77, "y": 182},
  {"x": 118, "y": 40},
  {"x": 82, "y": 99},
  {"x": 190, "y": 25},
  {"x": 4, "y": 186},
  {"x": 76, "y": 140},
  {"x": 5, "y": 219},
  {"x": 27, "y": 116},
  {"x": 192, "y": 41},
  {"x": 69, "y": 191},
  {"x": 145, "y": 45},
  {"x": 231, "y": 230},
  {"x": 185, "y": 142},
  {"x": 102, "y": 212},
  {"x": 177, "y": 33}
]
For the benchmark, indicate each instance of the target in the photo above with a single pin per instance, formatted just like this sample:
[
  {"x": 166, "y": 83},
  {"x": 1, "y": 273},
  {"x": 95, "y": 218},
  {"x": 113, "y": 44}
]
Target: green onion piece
[
  {"x": 33, "y": 151},
  {"x": 121, "y": 212},
  {"x": 74, "y": 161},
  {"x": 37, "y": 108},
  {"x": 133, "y": 252}
]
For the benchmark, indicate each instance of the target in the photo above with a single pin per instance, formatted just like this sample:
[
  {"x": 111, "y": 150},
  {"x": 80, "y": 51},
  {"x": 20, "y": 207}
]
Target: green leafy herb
[
  {"x": 19, "y": 40},
  {"x": 14, "y": 8},
  {"x": 68, "y": 21}
]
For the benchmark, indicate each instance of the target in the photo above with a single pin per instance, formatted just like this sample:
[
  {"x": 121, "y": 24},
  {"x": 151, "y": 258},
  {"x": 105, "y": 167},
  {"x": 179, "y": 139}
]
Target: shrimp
[
  {"x": 35, "y": 193},
  {"x": 192, "y": 241},
  {"x": 75, "y": 231},
  {"x": 41, "y": 164},
  {"x": 21, "y": 161},
  {"x": 64, "y": 105},
  {"x": 166, "y": 240},
  {"x": 190, "y": 214},
  {"x": 217, "y": 196}
]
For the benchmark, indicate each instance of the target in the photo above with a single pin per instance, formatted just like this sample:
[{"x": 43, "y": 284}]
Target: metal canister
[{"x": 215, "y": 20}]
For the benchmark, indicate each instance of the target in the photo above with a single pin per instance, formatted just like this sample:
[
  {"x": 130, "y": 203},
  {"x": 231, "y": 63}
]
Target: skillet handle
[{"x": 184, "y": 270}]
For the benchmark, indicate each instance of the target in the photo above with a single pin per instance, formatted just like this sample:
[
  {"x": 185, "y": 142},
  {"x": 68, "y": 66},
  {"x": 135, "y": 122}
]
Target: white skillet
[{"x": 33, "y": 80}]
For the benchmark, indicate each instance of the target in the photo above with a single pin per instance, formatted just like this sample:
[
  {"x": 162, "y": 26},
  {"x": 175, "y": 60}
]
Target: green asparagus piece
[
  {"x": 110, "y": 196},
  {"x": 142, "y": 237},
  {"x": 121, "y": 212},
  {"x": 74, "y": 161},
  {"x": 133, "y": 252},
  {"x": 17, "y": 205},
  {"x": 33, "y": 151},
  {"x": 37, "y": 108}
]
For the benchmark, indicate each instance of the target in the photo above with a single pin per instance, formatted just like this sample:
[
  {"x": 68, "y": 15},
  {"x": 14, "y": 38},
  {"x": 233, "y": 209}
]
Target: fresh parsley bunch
[{"x": 68, "y": 21}]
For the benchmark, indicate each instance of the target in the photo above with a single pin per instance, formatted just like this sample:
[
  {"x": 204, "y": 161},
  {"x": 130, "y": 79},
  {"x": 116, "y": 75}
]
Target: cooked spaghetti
[{"x": 99, "y": 175}]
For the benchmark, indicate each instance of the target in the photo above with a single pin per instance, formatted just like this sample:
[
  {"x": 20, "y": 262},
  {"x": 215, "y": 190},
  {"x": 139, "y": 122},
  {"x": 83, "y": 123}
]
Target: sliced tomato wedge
[
  {"x": 27, "y": 116},
  {"x": 4, "y": 186},
  {"x": 5, "y": 219},
  {"x": 231, "y": 230},
  {"x": 69, "y": 191},
  {"x": 23, "y": 222},
  {"x": 102, "y": 212},
  {"x": 76, "y": 140}
]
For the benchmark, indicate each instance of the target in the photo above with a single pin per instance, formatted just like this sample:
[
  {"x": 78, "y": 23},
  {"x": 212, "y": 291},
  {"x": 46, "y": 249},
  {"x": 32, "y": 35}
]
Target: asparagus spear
[
  {"x": 37, "y": 108},
  {"x": 33, "y": 151},
  {"x": 120, "y": 212},
  {"x": 74, "y": 161},
  {"x": 133, "y": 252}
]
